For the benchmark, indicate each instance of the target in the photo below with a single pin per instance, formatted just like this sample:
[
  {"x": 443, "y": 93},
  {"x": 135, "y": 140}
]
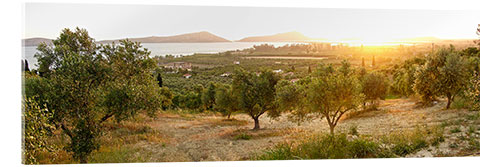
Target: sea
[{"x": 174, "y": 49}]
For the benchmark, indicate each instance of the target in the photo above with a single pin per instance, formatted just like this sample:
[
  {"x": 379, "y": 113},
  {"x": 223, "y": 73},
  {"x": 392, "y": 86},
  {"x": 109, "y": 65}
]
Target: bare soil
[{"x": 198, "y": 137}]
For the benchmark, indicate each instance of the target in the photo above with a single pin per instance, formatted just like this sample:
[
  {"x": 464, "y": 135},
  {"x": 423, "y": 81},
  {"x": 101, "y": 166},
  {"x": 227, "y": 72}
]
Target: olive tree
[
  {"x": 454, "y": 77},
  {"x": 226, "y": 100},
  {"x": 329, "y": 93},
  {"x": 255, "y": 93},
  {"x": 374, "y": 86},
  {"x": 208, "y": 96},
  {"x": 444, "y": 74},
  {"x": 166, "y": 97},
  {"x": 404, "y": 77},
  {"x": 427, "y": 76},
  {"x": 88, "y": 84}
]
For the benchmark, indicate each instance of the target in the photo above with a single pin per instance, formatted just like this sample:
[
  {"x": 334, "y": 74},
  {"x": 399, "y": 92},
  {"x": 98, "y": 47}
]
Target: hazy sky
[{"x": 233, "y": 23}]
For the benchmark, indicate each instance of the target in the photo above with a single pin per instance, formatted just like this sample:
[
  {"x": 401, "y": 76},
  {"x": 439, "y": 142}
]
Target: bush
[
  {"x": 242, "y": 136},
  {"x": 455, "y": 130},
  {"x": 36, "y": 130},
  {"x": 166, "y": 97},
  {"x": 353, "y": 130}
]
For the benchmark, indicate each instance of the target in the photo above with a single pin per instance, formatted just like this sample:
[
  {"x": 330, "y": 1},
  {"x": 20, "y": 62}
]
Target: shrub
[
  {"x": 455, "y": 130},
  {"x": 166, "y": 97},
  {"x": 36, "y": 130},
  {"x": 326, "y": 147},
  {"x": 353, "y": 130},
  {"x": 242, "y": 136}
]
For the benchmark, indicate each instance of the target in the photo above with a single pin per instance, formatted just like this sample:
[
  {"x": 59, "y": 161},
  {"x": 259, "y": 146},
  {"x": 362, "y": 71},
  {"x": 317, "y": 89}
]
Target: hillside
[
  {"x": 281, "y": 37},
  {"x": 200, "y": 37},
  {"x": 36, "y": 41}
]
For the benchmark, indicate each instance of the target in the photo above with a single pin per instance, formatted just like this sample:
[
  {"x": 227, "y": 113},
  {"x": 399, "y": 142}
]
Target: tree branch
[
  {"x": 66, "y": 130},
  {"x": 109, "y": 115}
]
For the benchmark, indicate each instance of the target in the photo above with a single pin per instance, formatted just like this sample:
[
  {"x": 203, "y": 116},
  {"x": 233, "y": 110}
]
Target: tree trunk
[
  {"x": 332, "y": 128},
  {"x": 449, "y": 102},
  {"x": 256, "y": 121},
  {"x": 83, "y": 160}
]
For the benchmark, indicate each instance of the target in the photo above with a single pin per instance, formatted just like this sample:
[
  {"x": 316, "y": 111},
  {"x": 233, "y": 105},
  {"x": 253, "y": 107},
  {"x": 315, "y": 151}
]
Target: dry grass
[{"x": 185, "y": 136}]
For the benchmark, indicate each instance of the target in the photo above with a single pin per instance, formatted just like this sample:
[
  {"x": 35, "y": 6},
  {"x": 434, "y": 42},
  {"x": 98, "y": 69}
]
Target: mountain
[
  {"x": 281, "y": 37},
  {"x": 420, "y": 39},
  {"x": 201, "y": 37},
  {"x": 36, "y": 41}
]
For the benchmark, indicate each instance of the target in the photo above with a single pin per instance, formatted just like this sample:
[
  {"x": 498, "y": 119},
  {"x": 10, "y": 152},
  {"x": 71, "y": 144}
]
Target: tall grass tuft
[{"x": 342, "y": 147}]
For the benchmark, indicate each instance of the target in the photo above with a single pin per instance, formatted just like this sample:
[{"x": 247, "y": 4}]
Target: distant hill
[
  {"x": 281, "y": 37},
  {"x": 201, "y": 37},
  {"x": 36, "y": 41},
  {"x": 420, "y": 39}
]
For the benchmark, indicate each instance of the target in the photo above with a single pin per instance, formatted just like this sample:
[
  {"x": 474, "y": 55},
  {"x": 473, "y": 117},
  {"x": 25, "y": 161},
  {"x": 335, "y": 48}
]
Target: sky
[{"x": 111, "y": 21}]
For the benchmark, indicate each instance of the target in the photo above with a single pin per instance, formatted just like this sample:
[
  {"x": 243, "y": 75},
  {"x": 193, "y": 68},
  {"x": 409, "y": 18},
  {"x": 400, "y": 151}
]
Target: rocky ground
[{"x": 197, "y": 137}]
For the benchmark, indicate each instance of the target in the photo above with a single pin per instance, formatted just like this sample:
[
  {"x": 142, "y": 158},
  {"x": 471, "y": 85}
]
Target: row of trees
[{"x": 327, "y": 92}]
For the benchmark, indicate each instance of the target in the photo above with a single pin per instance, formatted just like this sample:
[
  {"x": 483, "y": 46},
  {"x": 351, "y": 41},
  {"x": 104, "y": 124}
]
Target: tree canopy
[
  {"x": 85, "y": 84},
  {"x": 255, "y": 92},
  {"x": 329, "y": 93}
]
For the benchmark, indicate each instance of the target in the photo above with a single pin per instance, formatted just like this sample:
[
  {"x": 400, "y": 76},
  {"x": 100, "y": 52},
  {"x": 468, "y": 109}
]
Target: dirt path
[{"x": 212, "y": 138}]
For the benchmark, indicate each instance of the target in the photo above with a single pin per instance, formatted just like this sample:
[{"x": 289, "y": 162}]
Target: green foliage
[
  {"x": 159, "y": 79},
  {"x": 427, "y": 77},
  {"x": 453, "y": 77},
  {"x": 326, "y": 147},
  {"x": 255, "y": 93},
  {"x": 193, "y": 100},
  {"x": 166, "y": 97},
  {"x": 353, "y": 130},
  {"x": 407, "y": 142},
  {"x": 455, "y": 130},
  {"x": 472, "y": 89},
  {"x": 374, "y": 87},
  {"x": 84, "y": 85},
  {"x": 445, "y": 73},
  {"x": 208, "y": 96},
  {"x": 225, "y": 100},
  {"x": 404, "y": 77},
  {"x": 340, "y": 146},
  {"x": 329, "y": 93},
  {"x": 288, "y": 95},
  {"x": 242, "y": 136},
  {"x": 36, "y": 130}
]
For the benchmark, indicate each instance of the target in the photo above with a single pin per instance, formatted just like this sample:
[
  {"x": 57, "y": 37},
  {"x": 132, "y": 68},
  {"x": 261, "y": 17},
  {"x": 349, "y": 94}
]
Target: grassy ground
[{"x": 397, "y": 129}]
